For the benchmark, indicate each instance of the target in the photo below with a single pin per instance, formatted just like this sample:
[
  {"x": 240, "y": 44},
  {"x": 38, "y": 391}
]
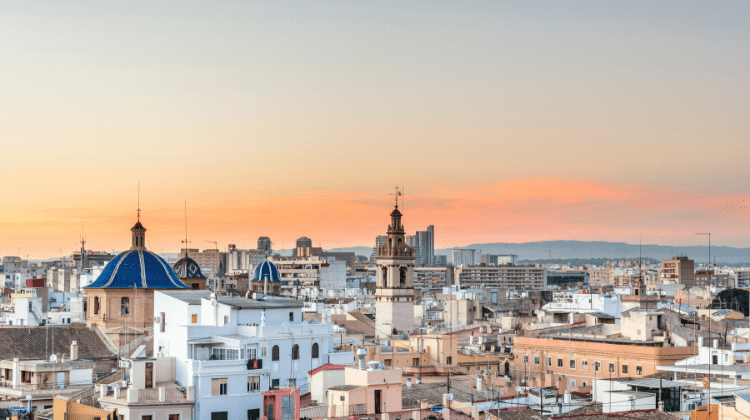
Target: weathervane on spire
[
  {"x": 139, "y": 201},
  {"x": 396, "y": 194}
]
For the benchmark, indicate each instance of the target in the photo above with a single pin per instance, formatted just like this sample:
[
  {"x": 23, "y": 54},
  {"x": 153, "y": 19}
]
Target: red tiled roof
[{"x": 327, "y": 366}]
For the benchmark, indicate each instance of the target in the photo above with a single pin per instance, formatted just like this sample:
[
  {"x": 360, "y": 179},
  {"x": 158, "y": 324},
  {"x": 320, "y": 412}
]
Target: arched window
[
  {"x": 125, "y": 306},
  {"x": 385, "y": 277},
  {"x": 275, "y": 353},
  {"x": 402, "y": 275},
  {"x": 315, "y": 350},
  {"x": 96, "y": 305},
  {"x": 295, "y": 352}
]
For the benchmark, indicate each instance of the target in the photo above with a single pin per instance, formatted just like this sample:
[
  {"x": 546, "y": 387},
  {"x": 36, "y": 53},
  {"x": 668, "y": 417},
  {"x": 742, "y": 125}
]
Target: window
[
  {"x": 639, "y": 370},
  {"x": 572, "y": 364},
  {"x": 194, "y": 318},
  {"x": 342, "y": 398},
  {"x": 624, "y": 369},
  {"x": 387, "y": 362},
  {"x": 525, "y": 359},
  {"x": 173, "y": 417},
  {"x": 219, "y": 386},
  {"x": 292, "y": 383},
  {"x": 450, "y": 360},
  {"x": 291, "y": 316},
  {"x": 402, "y": 275},
  {"x": 597, "y": 366},
  {"x": 226, "y": 354},
  {"x": 548, "y": 362},
  {"x": 147, "y": 417},
  {"x": 415, "y": 362},
  {"x": 253, "y": 414},
  {"x": 315, "y": 351},
  {"x": 274, "y": 383},
  {"x": 124, "y": 306},
  {"x": 585, "y": 383},
  {"x": 611, "y": 368},
  {"x": 466, "y": 369},
  {"x": 559, "y": 363},
  {"x": 221, "y": 415},
  {"x": 226, "y": 319},
  {"x": 264, "y": 351},
  {"x": 163, "y": 322},
  {"x": 251, "y": 353},
  {"x": 585, "y": 364},
  {"x": 385, "y": 276},
  {"x": 572, "y": 383},
  {"x": 536, "y": 360},
  {"x": 275, "y": 353},
  {"x": 295, "y": 352},
  {"x": 253, "y": 384},
  {"x": 96, "y": 305}
]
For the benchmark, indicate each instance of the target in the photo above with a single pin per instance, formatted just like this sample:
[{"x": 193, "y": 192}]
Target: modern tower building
[
  {"x": 264, "y": 244},
  {"x": 303, "y": 242},
  {"x": 394, "y": 293}
]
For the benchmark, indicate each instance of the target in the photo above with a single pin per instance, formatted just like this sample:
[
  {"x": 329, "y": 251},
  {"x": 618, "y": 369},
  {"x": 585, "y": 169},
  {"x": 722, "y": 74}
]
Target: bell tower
[{"x": 394, "y": 286}]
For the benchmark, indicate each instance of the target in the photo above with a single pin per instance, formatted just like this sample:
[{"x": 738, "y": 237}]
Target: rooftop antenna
[{"x": 186, "y": 241}]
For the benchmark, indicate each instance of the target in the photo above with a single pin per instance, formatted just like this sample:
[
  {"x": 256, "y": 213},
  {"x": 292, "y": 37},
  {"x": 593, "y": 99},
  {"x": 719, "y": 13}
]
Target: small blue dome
[
  {"x": 140, "y": 269},
  {"x": 187, "y": 268},
  {"x": 264, "y": 270}
]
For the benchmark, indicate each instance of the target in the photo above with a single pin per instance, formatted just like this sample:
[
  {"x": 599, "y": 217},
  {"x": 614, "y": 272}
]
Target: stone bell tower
[{"x": 394, "y": 287}]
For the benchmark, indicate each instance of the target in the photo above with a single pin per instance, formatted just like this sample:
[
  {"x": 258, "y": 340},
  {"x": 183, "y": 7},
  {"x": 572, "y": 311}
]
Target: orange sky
[{"x": 506, "y": 121}]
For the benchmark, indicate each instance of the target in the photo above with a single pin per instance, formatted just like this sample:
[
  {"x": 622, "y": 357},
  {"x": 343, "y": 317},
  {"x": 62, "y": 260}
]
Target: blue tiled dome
[
  {"x": 140, "y": 269},
  {"x": 187, "y": 268},
  {"x": 266, "y": 269}
]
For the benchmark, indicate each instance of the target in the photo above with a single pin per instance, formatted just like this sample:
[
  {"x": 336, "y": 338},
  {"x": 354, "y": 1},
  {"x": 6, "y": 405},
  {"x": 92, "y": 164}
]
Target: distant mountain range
[{"x": 562, "y": 250}]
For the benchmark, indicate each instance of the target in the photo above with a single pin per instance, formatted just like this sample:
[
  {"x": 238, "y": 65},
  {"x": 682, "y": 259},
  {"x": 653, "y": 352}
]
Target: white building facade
[{"x": 231, "y": 349}]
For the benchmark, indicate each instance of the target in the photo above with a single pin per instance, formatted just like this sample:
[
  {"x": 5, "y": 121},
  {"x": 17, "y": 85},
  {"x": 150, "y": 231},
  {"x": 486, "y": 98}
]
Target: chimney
[
  {"x": 361, "y": 353},
  {"x": 16, "y": 374},
  {"x": 479, "y": 382},
  {"x": 102, "y": 391},
  {"x": 408, "y": 382},
  {"x": 162, "y": 394},
  {"x": 74, "y": 350},
  {"x": 117, "y": 392},
  {"x": 716, "y": 343}
]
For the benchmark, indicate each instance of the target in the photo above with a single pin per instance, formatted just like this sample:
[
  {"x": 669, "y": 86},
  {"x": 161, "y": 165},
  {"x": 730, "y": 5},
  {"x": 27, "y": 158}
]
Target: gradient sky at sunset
[{"x": 505, "y": 121}]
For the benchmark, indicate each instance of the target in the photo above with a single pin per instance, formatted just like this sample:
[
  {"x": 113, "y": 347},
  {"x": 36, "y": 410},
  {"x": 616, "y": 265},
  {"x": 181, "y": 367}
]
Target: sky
[{"x": 503, "y": 121}]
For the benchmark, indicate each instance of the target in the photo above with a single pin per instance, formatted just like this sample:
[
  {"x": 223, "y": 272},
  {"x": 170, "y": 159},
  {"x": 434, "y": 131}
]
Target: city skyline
[{"x": 505, "y": 122}]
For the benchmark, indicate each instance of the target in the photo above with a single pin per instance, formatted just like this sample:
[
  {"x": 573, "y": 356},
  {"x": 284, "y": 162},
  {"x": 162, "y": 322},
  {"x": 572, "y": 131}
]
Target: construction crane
[{"x": 216, "y": 244}]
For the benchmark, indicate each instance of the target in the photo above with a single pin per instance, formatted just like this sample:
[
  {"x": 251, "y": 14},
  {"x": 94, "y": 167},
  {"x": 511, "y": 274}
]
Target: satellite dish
[
  {"x": 53, "y": 358},
  {"x": 450, "y": 396}
]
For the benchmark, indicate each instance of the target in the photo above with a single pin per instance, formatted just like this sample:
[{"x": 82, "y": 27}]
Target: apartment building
[
  {"x": 679, "y": 270},
  {"x": 513, "y": 277},
  {"x": 208, "y": 259},
  {"x": 432, "y": 279},
  {"x": 467, "y": 257},
  {"x": 310, "y": 271}
]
